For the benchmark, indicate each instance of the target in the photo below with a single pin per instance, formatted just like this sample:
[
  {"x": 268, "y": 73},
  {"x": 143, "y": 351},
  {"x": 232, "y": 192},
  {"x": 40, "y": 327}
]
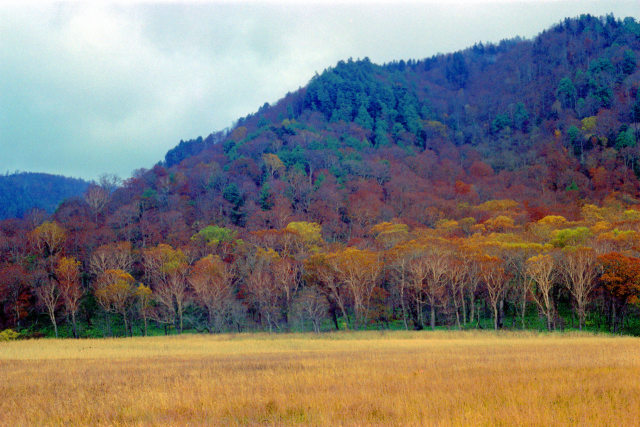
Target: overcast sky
[{"x": 99, "y": 88}]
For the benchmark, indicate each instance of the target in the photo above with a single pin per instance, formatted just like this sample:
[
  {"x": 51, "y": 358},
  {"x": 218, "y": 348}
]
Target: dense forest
[
  {"x": 494, "y": 187},
  {"x": 21, "y": 192}
]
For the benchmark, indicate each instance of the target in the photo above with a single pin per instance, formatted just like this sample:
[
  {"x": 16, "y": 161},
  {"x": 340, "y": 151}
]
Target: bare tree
[
  {"x": 286, "y": 276},
  {"x": 579, "y": 266},
  {"x": 48, "y": 296},
  {"x": 112, "y": 256},
  {"x": 319, "y": 272},
  {"x": 97, "y": 198},
  {"x": 398, "y": 260},
  {"x": 495, "y": 280},
  {"x": 109, "y": 182},
  {"x": 428, "y": 271},
  {"x": 68, "y": 275},
  {"x": 359, "y": 271},
  {"x": 540, "y": 270},
  {"x": 457, "y": 280},
  {"x": 310, "y": 303},
  {"x": 211, "y": 279},
  {"x": 166, "y": 269}
]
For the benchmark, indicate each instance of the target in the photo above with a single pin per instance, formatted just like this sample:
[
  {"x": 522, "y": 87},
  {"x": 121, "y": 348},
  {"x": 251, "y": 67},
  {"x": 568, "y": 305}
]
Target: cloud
[{"x": 109, "y": 87}]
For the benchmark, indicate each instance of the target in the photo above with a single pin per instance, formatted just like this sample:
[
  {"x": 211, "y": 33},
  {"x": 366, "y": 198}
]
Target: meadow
[{"x": 349, "y": 378}]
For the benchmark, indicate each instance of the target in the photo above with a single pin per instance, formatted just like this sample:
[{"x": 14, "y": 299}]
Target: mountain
[
  {"x": 23, "y": 191},
  {"x": 551, "y": 122}
]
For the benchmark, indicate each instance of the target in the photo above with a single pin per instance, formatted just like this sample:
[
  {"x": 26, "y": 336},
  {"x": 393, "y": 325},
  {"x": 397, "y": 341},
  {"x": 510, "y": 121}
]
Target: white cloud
[{"x": 87, "y": 88}]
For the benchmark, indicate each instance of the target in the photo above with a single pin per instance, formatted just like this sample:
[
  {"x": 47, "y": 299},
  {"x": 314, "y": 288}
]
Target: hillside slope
[
  {"x": 548, "y": 122},
  {"x": 24, "y": 191}
]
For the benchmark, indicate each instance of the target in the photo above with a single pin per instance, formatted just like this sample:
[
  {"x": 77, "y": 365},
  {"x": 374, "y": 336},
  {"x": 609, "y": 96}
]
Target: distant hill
[{"x": 21, "y": 192}]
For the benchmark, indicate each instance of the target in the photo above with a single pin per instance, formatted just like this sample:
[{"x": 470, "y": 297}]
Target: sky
[{"x": 109, "y": 87}]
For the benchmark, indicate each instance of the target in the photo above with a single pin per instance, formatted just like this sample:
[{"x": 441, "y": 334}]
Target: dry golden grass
[{"x": 368, "y": 378}]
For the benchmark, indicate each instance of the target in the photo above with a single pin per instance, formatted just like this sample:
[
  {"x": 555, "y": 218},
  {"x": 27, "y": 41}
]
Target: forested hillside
[
  {"x": 21, "y": 192},
  {"x": 497, "y": 186}
]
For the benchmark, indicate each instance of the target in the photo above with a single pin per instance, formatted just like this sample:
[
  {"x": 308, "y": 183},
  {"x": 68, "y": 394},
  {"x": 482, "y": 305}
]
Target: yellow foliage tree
[
  {"x": 500, "y": 223},
  {"x": 359, "y": 271},
  {"x": 166, "y": 269},
  {"x": 49, "y": 237},
  {"x": 68, "y": 275},
  {"x": 273, "y": 164},
  {"x": 309, "y": 232},
  {"x": 390, "y": 234},
  {"x": 211, "y": 280},
  {"x": 144, "y": 296},
  {"x": 115, "y": 292}
]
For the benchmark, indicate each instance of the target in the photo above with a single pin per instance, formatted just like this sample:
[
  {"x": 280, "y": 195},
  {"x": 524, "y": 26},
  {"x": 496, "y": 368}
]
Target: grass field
[{"x": 366, "y": 378}]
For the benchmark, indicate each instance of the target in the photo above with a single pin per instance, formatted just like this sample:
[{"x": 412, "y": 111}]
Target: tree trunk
[
  {"x": 286, "y": 319},
  {"x": 494, "y": 307},
  {"x": 334, "y": 317},
  {"x": 344, "y": 313},
  {"x": 16, "y": 314},
  {"x": 420, "y": 314},
  {"x": 126, "y": 324},
  {"x": 433, "y": 317},
  {"x": 472, "y": 307},
  {"x": 464, "y": 309},
  {"x": 404, "y": 308},
  {"x": 524, "y": 306},
  {"x": 52, "y": 315},
  {"x": 73, "y": 324},
  {"x": 456, "y": 308},
  {"x": 357, "y": 316},
  {"x": 180, "y": 318},
  {"x": 613, "y": 316},
  {"x": 581, "y": 315},
  {"x": 107, "y": 322},
  {"x": 580, "y": 322}
]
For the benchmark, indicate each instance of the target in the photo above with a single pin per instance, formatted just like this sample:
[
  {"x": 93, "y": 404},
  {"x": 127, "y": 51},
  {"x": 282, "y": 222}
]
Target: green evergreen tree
[
  {"x": 566, "y": 93},
  {"x": 364, "y": 119}
]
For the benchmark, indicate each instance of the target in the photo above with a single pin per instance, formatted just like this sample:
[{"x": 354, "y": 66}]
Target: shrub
[{"x": 9, "y": 335}]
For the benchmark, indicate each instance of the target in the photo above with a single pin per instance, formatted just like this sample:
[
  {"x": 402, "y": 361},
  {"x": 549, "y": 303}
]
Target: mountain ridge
[
  {"x": 550, "y": 122},
  {"x": 452, "y": 71},
  {"x": 20, "y": 192}
]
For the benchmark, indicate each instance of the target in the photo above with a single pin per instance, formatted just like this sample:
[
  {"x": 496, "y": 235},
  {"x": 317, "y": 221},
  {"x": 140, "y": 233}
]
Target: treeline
[{"x": 457, "y": 274}]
